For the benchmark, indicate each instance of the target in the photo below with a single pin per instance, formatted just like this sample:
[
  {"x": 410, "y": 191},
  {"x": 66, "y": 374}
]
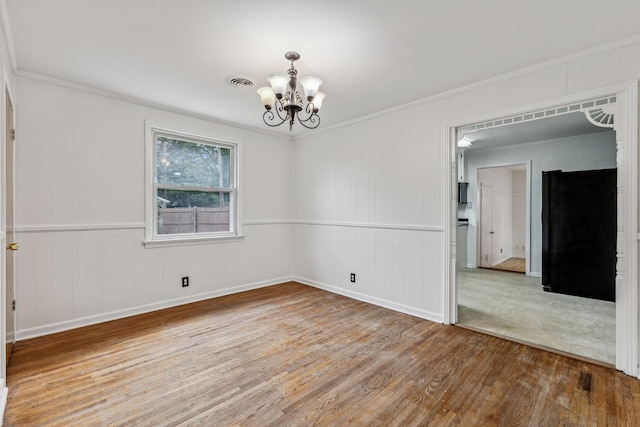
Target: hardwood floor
[
  {"x": 292, "y": 355},
  {"x": 517, "y": 265},
  {"x": 8, "y": 350}
]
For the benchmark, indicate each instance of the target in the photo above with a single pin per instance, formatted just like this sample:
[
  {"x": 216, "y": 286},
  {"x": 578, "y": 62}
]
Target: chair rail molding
[
  {"x": 78, "y": 227},
  {"x": 354, "y": 224}
]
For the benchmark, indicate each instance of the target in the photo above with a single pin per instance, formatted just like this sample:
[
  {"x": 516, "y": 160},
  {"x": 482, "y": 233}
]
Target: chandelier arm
[
  {"x": 280, "y": 109},
  {"x": 310, "y": 109},
  {"x": 313, "y": 121},
  {"x": 270, "y": 119}
]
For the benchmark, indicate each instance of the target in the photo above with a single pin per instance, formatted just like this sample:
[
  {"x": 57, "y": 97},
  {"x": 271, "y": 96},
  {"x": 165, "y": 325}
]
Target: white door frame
[
  {"x": 6, "y": 91},
  {"x": 626, "y": 127}
]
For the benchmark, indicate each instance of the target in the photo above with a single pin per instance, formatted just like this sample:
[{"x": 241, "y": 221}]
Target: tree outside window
[{"x": 193, "y": 186}]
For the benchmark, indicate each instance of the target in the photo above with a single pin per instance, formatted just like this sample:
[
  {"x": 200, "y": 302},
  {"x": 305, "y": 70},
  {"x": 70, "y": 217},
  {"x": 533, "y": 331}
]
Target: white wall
[
  {"x": 593, "y": 151},
  {"x": 369, "y": 196},
  {"x": 80, "y": 210},
  {"x": 366, "y": 203}
]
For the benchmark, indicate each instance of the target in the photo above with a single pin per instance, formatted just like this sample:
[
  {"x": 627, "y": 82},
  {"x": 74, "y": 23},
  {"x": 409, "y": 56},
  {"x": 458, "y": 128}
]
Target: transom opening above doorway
[{"x": 603, "y": 104}]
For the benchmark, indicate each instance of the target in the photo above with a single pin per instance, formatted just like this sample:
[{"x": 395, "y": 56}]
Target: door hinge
[
  {"x": 13, "y": 305},
  {"x": 13, "y": 134}
]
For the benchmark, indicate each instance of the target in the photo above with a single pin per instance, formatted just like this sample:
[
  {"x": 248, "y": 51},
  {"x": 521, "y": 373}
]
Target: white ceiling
[{"x": 371, "y": 54}]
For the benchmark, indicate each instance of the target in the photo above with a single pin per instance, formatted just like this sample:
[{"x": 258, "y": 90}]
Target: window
[{"x": 191, "y": 189}]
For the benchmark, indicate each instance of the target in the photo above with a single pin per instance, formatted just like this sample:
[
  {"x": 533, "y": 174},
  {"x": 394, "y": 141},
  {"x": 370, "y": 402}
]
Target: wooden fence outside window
[{"x": 192, "y": 220}]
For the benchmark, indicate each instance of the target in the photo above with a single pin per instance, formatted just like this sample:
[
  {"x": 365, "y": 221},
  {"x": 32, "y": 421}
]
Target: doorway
[
  {"x": 487, "y": 234},
  {"x": 502, "y": 217},
  {"x": 501, "y": 303},
  {"x": 623, "y": 144}
]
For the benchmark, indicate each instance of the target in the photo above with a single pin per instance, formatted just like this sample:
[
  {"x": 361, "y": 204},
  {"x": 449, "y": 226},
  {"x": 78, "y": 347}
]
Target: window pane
[
  {"x": 192, "y": 212},
  {"x": 193, "y": 164},
  {"x": 226, "y": 167}
]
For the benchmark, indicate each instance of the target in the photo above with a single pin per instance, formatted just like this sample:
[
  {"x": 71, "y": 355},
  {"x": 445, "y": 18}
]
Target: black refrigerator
[{"x": 579, "y": 233}]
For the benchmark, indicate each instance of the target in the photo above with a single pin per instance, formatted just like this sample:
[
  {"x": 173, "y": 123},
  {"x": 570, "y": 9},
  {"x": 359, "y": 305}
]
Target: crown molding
[
  {"x": 142, "y": 102},
  {"x": 607, "y": 47}
]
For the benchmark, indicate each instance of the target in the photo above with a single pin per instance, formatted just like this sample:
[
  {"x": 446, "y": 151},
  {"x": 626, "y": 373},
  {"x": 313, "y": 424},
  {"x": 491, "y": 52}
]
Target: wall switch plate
[{"x": 185, "y": 281}]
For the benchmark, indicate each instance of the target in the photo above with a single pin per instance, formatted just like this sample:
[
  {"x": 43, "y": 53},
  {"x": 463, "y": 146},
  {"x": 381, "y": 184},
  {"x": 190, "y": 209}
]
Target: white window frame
[{"x": 152, "y": 239}]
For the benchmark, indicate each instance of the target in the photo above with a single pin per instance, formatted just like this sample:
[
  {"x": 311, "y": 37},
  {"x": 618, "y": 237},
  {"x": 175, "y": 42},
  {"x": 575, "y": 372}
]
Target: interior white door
[
  {"x": 12, "y": 246},
  {"x": 486, "y": 226}
]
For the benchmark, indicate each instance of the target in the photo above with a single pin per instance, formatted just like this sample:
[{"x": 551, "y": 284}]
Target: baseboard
[
  {"x": 535, "y": 274},
  {"x": 119, "y": 314},
  {"x": 3, "y": 401},
  {"x": 423, "y": 314}
]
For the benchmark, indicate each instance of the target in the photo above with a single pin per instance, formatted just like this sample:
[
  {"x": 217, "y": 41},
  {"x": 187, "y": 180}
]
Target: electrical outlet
[
  {"x": 353, "y": 277},
  {"x": 185, "y": 281}
]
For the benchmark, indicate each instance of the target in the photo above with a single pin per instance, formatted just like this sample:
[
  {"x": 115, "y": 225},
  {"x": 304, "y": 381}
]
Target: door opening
[
  {"x": 502, "y": 218},
  {"x": 486, "y": 226},
  {"x": 497, "y": 302}
]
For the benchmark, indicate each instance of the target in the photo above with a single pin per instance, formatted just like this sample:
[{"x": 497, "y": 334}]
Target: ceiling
[{"x": 372, "y": 54}]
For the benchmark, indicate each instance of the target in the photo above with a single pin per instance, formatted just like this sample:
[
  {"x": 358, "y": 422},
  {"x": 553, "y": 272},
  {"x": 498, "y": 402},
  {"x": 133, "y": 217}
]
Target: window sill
[{"x": 190, "y": 241}]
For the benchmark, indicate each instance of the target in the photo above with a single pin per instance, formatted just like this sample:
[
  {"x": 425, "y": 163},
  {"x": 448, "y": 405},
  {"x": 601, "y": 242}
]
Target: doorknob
[
  {"x": 12, "y": 246},
  {"x": 491, "y": 232}
]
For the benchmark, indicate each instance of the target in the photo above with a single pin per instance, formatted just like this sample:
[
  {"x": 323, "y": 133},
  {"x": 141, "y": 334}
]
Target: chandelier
[{"x": 284, "y": 98}]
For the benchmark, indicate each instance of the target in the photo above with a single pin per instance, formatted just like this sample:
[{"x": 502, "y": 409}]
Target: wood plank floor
[
  {"x": 292, "y": 355},
  {"x": 517, "y": 265}
]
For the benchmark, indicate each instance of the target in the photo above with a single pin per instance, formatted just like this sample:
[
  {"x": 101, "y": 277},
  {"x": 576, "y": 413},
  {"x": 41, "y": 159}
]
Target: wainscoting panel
[
  {"x": 394, "y": 268},
  {"x": 72, "y": 278}
]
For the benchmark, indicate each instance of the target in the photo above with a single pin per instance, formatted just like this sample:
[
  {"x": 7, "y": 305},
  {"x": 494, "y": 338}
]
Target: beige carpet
[{"x": 514, "y": 305}]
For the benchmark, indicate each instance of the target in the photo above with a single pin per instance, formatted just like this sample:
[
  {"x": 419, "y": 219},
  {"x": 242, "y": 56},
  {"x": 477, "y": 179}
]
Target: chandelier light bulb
[
  {"x": 317, "y": 101},
  {"x": 279, "y": 83},
  {"x": 267, "y": 96},
  {"x": 310, "y": 84}
]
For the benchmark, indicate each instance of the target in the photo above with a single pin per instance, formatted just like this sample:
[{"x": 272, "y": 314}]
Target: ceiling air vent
[{"x": 239, "y": 81}]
